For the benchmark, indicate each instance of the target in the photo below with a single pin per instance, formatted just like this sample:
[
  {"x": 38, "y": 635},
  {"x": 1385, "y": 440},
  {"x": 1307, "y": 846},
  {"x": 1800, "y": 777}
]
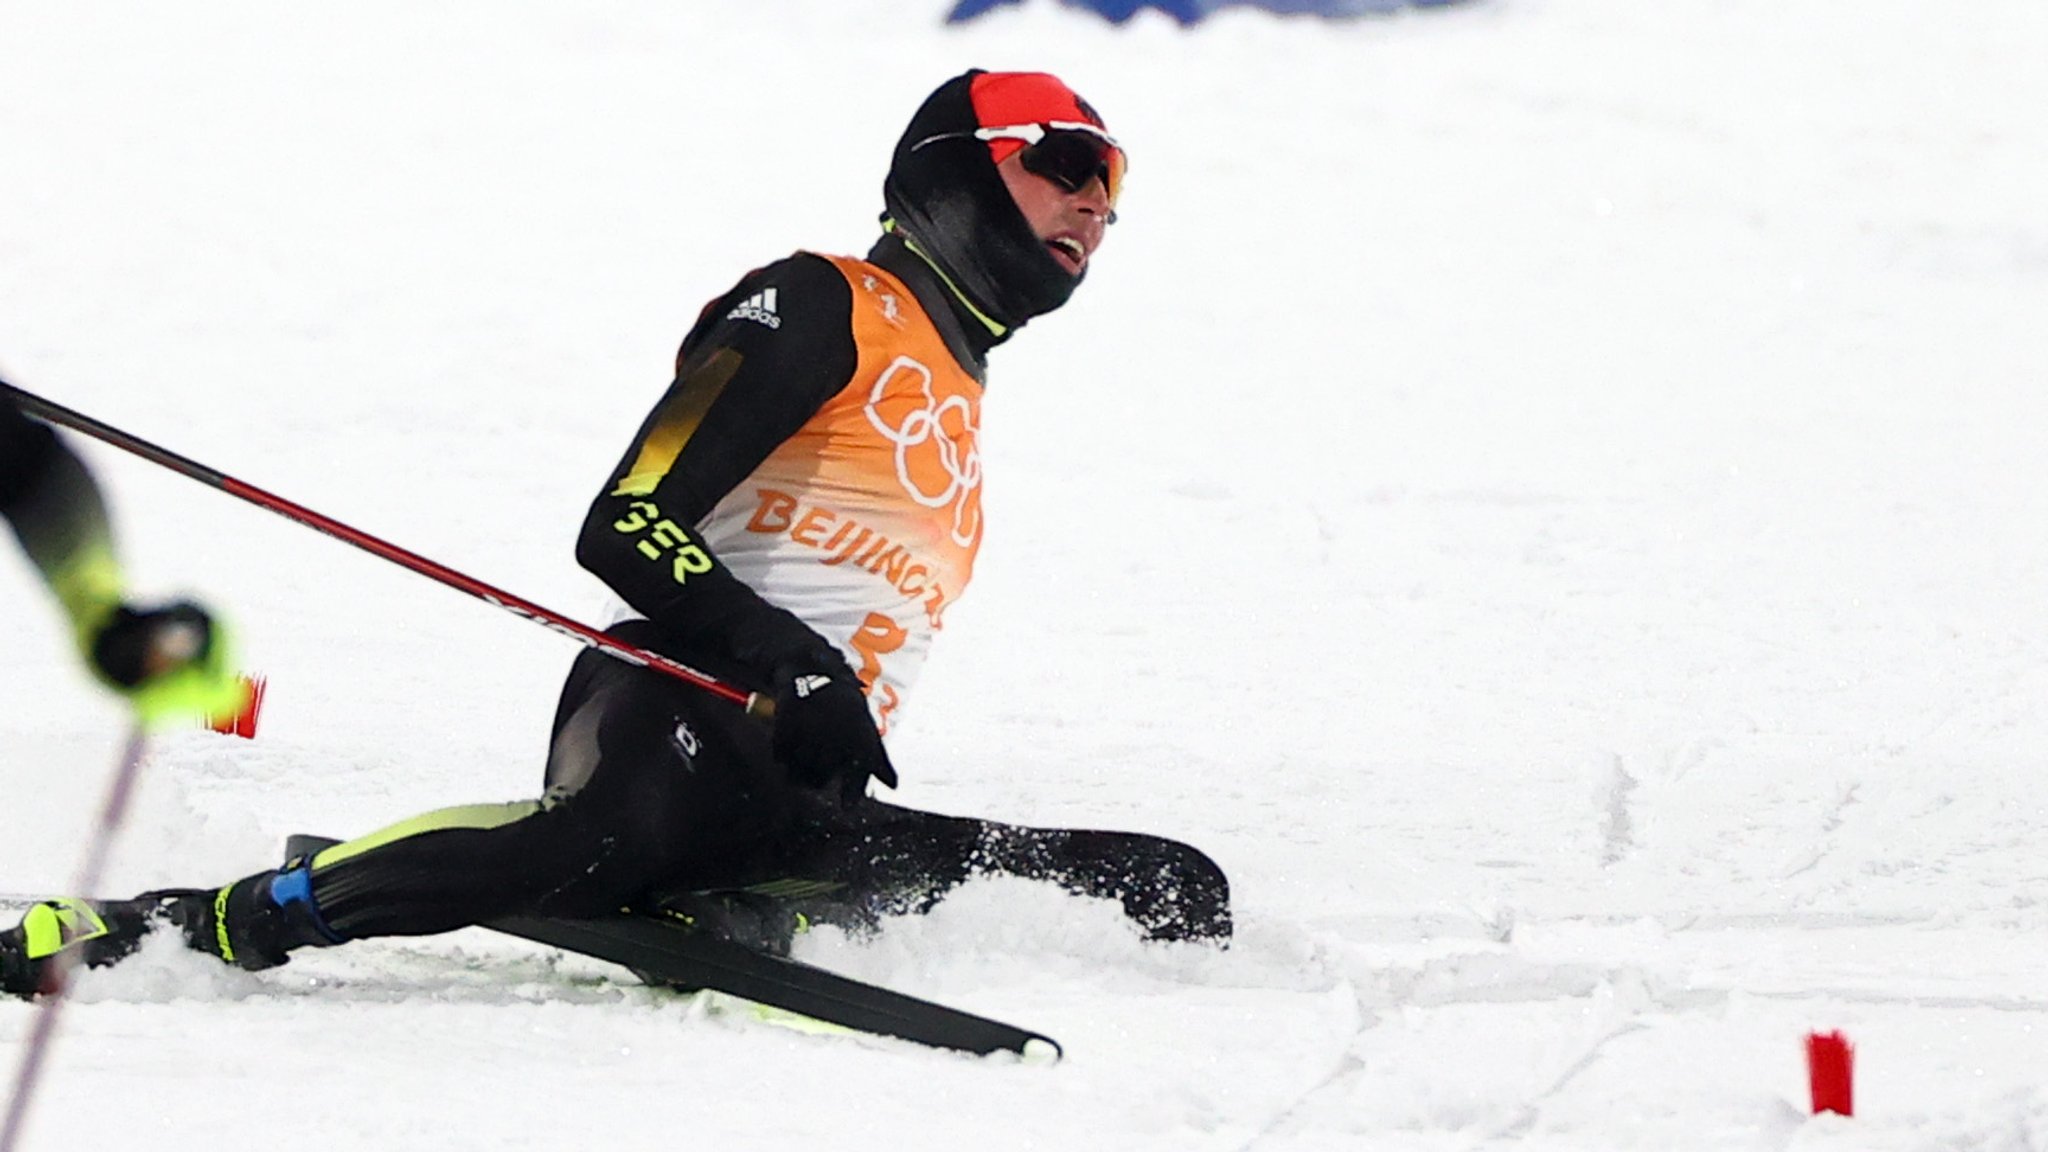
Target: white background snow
[{"x": 1549, "y": 493}]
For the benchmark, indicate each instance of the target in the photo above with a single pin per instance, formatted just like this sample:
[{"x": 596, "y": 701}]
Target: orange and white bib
[{"x": 865, "y": 523}]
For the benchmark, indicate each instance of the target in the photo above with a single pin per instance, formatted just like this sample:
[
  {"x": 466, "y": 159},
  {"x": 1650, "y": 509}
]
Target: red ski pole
[{"x": 755, "y": 703}]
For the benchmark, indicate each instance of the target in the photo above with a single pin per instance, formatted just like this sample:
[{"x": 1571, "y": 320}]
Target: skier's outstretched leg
[
  {"x": 253, "y": 923},
  {"x": 851, "y": 864}
]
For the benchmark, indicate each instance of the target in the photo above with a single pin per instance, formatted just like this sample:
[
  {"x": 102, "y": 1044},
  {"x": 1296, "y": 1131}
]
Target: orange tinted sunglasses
[{"x": 1067, "y": 152}]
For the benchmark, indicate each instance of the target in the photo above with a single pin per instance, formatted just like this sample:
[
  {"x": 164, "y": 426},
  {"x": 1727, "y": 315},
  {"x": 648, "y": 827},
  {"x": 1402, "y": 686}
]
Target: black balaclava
[{"x": 946, "y": 198}]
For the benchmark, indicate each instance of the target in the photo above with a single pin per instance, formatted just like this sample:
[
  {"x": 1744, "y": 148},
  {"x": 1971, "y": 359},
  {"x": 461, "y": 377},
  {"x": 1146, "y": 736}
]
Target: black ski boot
[
  {"x": 57, "y": 936},
  {"x": 254, "y": 923}
]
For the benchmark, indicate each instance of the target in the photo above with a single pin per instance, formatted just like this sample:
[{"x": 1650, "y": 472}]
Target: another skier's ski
[{"x": 671, "y": 953}]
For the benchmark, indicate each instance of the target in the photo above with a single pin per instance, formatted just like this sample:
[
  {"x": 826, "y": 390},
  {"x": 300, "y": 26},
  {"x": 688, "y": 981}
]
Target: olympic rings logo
[{"x": 937, "y": 459}]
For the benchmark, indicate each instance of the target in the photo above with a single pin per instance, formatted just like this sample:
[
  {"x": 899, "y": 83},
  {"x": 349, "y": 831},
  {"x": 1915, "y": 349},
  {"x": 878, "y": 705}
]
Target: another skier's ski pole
[
  {"x": 755, "y": 703},
  {"x": 113, "y": 809}
]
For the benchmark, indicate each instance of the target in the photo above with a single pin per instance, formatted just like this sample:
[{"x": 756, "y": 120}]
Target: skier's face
[{"x": 1070, "y": 221}]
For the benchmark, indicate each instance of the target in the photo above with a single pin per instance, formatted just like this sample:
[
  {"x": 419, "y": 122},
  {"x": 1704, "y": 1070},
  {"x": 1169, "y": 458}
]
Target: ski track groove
[
  {"x": 1617, "y": 829},
  {"x": 1532, "y": 1110},
  {"x": 1347, "y": 1065}
]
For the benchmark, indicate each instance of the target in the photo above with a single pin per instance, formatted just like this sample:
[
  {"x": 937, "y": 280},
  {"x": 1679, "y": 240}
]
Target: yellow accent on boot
[
  {"x": 54, "y": 925},
  {"x": 220, "y": 924}
]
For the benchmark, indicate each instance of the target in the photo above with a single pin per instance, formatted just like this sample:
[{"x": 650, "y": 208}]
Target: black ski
[{"x": 669, "y": 952}]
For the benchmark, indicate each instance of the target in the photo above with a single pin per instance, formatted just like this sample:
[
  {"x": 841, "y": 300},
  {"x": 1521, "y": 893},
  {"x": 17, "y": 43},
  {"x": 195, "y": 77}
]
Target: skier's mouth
[{"x": 1069, "y": 252}]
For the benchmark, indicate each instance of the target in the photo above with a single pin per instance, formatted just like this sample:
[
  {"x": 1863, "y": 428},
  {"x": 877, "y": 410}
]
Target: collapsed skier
[{"x": 795, "y": 516}]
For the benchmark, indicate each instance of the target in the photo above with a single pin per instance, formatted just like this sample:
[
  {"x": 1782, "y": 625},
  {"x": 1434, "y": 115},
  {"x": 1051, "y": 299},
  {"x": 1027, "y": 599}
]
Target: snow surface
[{"x": 1548, "y": 492}]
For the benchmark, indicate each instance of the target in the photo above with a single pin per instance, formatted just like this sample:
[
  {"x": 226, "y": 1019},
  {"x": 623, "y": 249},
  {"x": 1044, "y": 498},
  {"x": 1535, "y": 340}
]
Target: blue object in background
[
  {"x": 1192, "y": 11},
  {"x": 1185, "y": 11}
]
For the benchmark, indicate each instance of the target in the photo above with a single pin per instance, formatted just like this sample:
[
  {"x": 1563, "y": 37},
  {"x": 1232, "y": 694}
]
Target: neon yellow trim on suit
[
  {"x": 88, "y": 584},
  {"x": 464, "y": 816},
  {"x": 678, "y": 421},
  {"x": 987, "y": 321}
]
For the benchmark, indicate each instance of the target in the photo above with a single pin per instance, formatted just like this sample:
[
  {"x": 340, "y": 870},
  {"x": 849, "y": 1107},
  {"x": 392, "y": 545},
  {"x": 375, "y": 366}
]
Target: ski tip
[
  {"x": 1041, "y": 1050},
  {"x": 302, "y": 844}
]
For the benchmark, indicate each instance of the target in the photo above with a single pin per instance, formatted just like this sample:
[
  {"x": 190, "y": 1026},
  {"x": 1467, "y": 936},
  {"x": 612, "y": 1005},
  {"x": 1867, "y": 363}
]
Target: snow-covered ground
[{"x": 1548, "y": 492}]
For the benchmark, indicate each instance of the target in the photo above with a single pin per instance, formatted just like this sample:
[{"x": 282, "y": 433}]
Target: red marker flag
[
  {"x": 242, "y": 721},
  {"x": 1831, "y": 1071}
]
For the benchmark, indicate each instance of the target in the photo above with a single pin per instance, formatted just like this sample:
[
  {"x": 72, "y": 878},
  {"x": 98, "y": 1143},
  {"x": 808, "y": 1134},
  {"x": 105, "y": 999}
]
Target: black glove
[
  {"x": 824, "y": 734},
  {"x": 135, "y": 645},
  {"x": 170, "y": 662}
]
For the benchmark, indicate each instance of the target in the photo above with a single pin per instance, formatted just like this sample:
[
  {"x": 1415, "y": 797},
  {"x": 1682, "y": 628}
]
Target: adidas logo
[{"x": 760, "y": 308}]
